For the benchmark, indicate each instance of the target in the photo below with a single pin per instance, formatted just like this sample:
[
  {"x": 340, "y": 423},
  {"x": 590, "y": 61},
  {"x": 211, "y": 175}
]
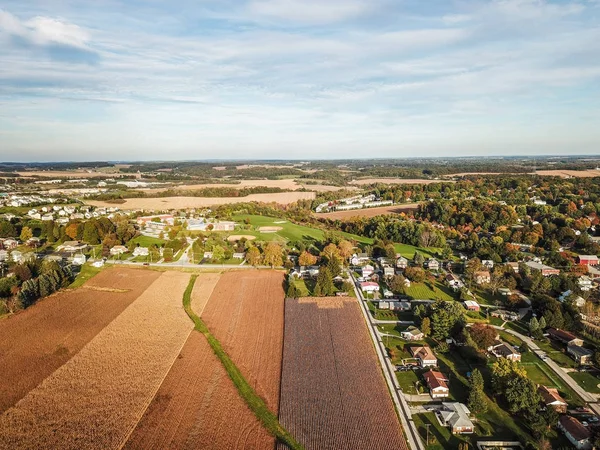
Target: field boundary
[{"x": 253, "y": 400}]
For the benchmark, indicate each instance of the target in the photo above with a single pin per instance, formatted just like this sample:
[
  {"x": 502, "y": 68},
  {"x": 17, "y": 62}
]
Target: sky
[{"x": 297, "y": 79}]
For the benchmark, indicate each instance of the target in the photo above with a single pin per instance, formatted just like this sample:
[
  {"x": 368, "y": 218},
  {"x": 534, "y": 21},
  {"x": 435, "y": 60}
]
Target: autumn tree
[
  {"x": 71, "y": 230},
  {"x": 218, "y": 253},
  {"x": 26, "y": 234},
  {"x": 397, "y": 284},
  {"x": 273, "y": 254},
  {"x": 330, "y": 251},
  {"x": 483, "y": 335},
  {"x": 307, "y": 259},
  {"x": 253, "y": 256},
  {"x": 345, "y": 249},
  {"x": 426, "y": 326}
]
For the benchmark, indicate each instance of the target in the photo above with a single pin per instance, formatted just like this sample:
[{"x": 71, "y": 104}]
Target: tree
[
  {"x": 273, "y": 254},
  {"x": 521, "y": 394},
  {"x": 446, "y": 319},
  {"x": 330, "y": 251},
  {"x": 418, "y": 259},
  {"x": 22, "y": 272},
  {"x": 477, "y": 403},
  {"x": 542, "y": 323},
  {"x": 90, "y": 233},
  {"x": 415, "y": 274},
  {"x": 253, "y": 256},
  {"x": 534, "y": 325},
  {"x": 334, "y": 266},
  {"x": 26, "y": 234},
  {"x": 345, "y": 249},
  {"x": 397, "y": 284},
  {"x": 218, "y": 252},
  {"x": 483, "y": 335},
  {"x": 502, "y": 371},
  {"x": 390, "y": 251},
  {"x": 324, "y": 286},
  {"x": 71, "y": 230},
  {"x": 307, "y": 259},
  {"x": 293, "y": 291},
  {"x": 426, "y": 326}
]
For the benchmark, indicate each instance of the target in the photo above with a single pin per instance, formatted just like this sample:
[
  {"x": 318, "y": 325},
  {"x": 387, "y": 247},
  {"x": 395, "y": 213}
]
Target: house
[
  {"x": 585, "y": 283},
  {"x": 369, "y": 286},
  {"x": 98, "y": 263},
  {"x": 359, "y": 258},
  {"x": 487, "y": 263},
  {"x": 504, "y": 291},
  {"x": 141, "y": 251},
  {"x": 503, "y": 350},
  {"x": 569, "y": 295},
  {"x": 401, "y": 262},
  {"x": 514, "y": 266},
  {"x": 432, "y": 264},
  {"x": 3, "y": 255},
  {"x": 16, "y": 256},
  {"x": 9, "y": 244},
  {"x": 436, "y": 382},
  {"x": 505, "y": 315},
  {"x": 425, "y": 356},
  {"x": 118, "y": 250},
  {"x": 454, "y": 282},
  {"x": 412, "y": 333},
  {"x": 395, "y": 306},
  {"x": 588, "y": 260},
  {"x": 208, "y": 255},
  {"x": 544, "y": 269},
  {"x": 580, "y": 354},
  {"x": 388, "y": 272},
  {"x": 165, "y": 218},
  {"x": 71, "y": 246},
  {"x": 482, "y": 277},
  {"x": 471, "y": 305},
  {"x": 552, "y": 399},
  {"x": 79, "y": 259},
  {"x": 239, "y": 255},
  {"x": 455, "y": 416},
  {"x": 565, "y": 337},
  {"x": 388, "y": 294},
  {"x": 575, "y": 432},
  {"x": 367, "y": 271}
]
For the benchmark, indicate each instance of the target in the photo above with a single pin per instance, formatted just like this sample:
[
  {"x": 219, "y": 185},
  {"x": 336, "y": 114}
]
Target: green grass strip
[{"x": 252, "y": 399}]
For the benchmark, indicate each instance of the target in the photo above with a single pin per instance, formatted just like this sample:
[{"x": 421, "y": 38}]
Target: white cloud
[{"x": 311, "y": 11}]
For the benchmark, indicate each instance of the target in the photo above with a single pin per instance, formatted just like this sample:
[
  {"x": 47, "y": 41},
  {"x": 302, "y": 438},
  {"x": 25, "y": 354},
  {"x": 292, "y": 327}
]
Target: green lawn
[
  {"x": 557, "y": 353},
  {"x": 440, "y": 438},
  {"x": 587, "y": 381},
  {"x": 301, "y": 285},
  {"x": 408, "y": 251},
  {"x": 391, "y": 329},
  {"x": 407, "y": 381},
  {"x": 422, "y": 291},
  {"x": 518, "y": 326},
  {"x": 147, "y": 241},
  {"x": 87, "y": 272}
]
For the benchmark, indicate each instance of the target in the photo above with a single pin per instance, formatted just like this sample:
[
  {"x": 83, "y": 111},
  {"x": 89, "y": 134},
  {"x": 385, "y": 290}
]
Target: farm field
[
  {"x": 112, "y": 380},
  {"x": 365, "y": 181},
  {"x": 245, "y": 313},
  {"x": 569, "y": 173},
  {"x": 333, "y": 395},
  {"x": 203, "y": 289},
  {"x": 368, "y": 212},
  {"x": 197, "y": 406},
  {"x": 282, "y": 184},
  {"x": 164, "y": 203},
  {"x": 421, "y": 291},
  {"x": 40, "y": 339}
]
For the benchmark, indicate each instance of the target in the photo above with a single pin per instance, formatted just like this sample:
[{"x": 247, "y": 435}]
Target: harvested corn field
[
  {"x": 198, "y": 406},
  {"x": 37, "y": 341},
  {"x": 333, "y": 395},
  {"x": 203, "y": 288},
  {"x": 245, "y": 313},
  {"x": 96, "y": 399}
]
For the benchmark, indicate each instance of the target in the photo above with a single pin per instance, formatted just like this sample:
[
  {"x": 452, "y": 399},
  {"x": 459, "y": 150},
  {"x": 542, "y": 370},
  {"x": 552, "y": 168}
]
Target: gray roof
[{"x": 456, "y": 414}]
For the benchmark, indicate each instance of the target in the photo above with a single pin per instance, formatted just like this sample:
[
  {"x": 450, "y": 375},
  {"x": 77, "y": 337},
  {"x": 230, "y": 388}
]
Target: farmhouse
[
  {"x": 71, "y": 246},
  {"x": 367, "y": 271},
  {"x": 588, "y": 260},
  {"x": 503, "y": 350},
  {"x": 565, "y": 337},
  {"x": 118, "y": 250},
  {"x": 424, "y": 355},
  {"x": 401, "y": 262},
  {"x": 575, "y": 432},
  {"x": 433, "y": 264},
  {"x": 552, "y": 399},
  {"x": 580, "y": 354},
  {"x": 412, "y": 333},
  {"x": 542, "y": 268},
  {"x": 482, "y": 277},
  {"x": 471, "y": 305},
  {"x": 456, "y": 416},
  {"x": 504, "y": 314},
  {"x": 141, "y": 251},
  {"x": 454, "y": 282},
  {"x": 436, "y": 382},
  {"x": 369, "y": 286}
]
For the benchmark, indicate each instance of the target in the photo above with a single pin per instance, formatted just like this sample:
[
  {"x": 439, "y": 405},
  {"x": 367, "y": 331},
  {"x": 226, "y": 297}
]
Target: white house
[
  {"x": 585, "y": 283},
  {"x": 16, "y": 256},
  {"x": 488, "y": 264},
  {"x": 79, "y": 259},
  {"x": 367, "y": 271},
  {"x": 436, "y": 382},
  {"x": 141, "y": 251},
  {"x": 98, "y": 263},
  {"x": 369, "y": 286},
  {"x": 575, "y": 432},
  {"x": 401, "y": 262},
  {"x": 412, "y": 333},
  {"x": 456, "y": 416},
  {"x": 118, "y": 250}
]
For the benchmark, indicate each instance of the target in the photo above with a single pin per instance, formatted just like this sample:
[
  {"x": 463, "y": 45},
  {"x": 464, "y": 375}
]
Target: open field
[
  {"x": 290, "y": 184},
  {"x": 368, "y": 212},
  {"x": 333, "y": 395},
  {"x": 74, "y": 173},
  {"x": 97, "y": 397},
  {"x": 197, "y": 406},
  {"x": 40, "y": 339},
  {"x": 569, "y": 173},
  {"x": 165, "y": 203},
  {"x": 365, "y": 181},
  {"x": 245, "y": 313},
  {"x": 203, "y": 289},
  {"x": 238, "y": 237}
]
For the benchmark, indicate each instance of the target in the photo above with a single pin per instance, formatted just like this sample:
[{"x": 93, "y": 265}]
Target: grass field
[
  {"x": 408, "y": 251},
  {"x": 556, "y": 353},
  {"x": 407, "y": 381},
  {"x": 147, "y": 241},
  {"x": 422, "y": 291},
  {"x": 87, "y": 272},
  {"x": 587, "y": 381},
  {"x": 440, "y": 437}
]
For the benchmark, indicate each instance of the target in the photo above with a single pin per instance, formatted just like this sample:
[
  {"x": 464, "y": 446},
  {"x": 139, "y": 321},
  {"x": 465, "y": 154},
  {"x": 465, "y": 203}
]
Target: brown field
[
  {"x": 166, "y": 203},
  {"x": 368, "y": 212},
  {"x": 282, "y": 184},
  {"x": 364, "y": 181},
  {"x": 197, "y": 406},
  {"x": 237, "y": 237},
  {"x": 96, "y": 398},
  {"x": 203, "y": 288},
  {"x": 75, "y": 173},
  {"x": 245, "y": 313},
  {"x": 37, "y": 341},
  {"x": 333, "y": 394},
  {"x": 569, "y": 173},
  {"x": 269, "y": 229}
]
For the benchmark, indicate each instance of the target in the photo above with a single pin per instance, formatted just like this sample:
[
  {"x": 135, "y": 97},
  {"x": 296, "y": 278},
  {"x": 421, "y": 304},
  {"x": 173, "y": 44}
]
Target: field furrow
[{"x": 96, "y": 398}]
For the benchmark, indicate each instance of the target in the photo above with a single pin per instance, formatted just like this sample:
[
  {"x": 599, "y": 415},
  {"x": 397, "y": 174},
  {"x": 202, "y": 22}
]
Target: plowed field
[
  {"x": 203, "y": 288},
  {"x": 197, "y": 406},
  {"x": 37, "y": 341},
  {"x": 97, "y": 397},
  {"x": 333, "y": 395},
  {"x": 245, "y": 313}
]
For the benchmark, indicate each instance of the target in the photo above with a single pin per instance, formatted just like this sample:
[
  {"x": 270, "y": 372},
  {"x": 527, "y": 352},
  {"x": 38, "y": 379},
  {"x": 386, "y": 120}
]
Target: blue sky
[{"x": 297, "y": 79}]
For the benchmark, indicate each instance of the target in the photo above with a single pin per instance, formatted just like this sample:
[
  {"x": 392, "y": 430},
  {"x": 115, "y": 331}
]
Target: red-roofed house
[
  {"x": 425, "y": 356},
  {"x": 575, "y": 432},
  {"x": 436, "y": 381},
  {"x": 588, "y": 260},
  {"x": 552, "y": 399}
]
